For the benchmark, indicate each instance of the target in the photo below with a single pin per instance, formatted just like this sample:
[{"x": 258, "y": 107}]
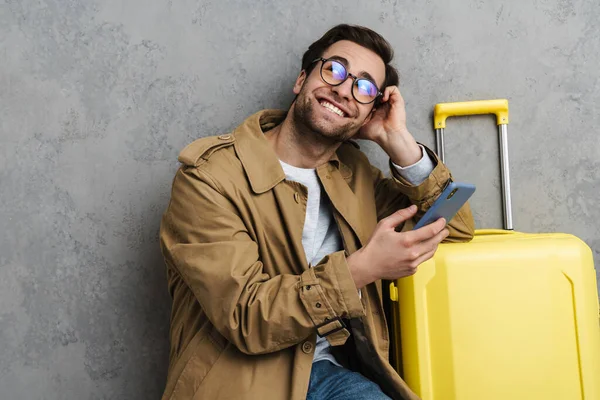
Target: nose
[{"x": 345, "y": 89}]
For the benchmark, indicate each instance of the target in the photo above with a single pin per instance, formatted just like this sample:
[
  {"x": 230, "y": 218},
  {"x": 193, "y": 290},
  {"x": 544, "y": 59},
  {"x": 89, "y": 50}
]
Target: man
[{"x": 278, "y": 235}]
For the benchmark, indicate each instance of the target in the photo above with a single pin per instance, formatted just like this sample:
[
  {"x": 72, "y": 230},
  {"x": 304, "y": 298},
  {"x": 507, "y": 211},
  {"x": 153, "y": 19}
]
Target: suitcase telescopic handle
[{"x": 499, "y": 107}]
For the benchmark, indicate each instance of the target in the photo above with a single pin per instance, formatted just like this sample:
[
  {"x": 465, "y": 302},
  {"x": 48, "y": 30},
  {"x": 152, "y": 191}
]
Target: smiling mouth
[{"x": 332, "y": 108}]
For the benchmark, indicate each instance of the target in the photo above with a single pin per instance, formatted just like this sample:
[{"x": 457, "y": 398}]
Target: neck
[{"x": 298, "y": 146}]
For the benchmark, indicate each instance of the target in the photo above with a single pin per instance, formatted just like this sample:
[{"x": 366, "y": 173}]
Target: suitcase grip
[
  {"x": 499, "y": 107},
  {"x": 444, "y": 110}
]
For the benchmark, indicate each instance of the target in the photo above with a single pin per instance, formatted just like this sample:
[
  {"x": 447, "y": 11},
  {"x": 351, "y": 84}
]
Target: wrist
[
  {"x": 402, "y": 148},
  {"x": 356, "y": 265}
]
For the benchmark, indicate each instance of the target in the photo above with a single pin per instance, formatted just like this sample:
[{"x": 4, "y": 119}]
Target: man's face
[{"x": 315, "y": 97}]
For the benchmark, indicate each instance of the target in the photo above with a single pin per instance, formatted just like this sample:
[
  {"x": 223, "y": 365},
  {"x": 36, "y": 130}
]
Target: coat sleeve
[
  {"x": 204, "y": 240},
  {"x": 394, "y": 193}
]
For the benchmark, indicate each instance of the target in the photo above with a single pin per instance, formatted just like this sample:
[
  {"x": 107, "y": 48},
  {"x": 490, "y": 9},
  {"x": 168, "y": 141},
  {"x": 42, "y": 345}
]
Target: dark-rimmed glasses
[{"x": 334, "y": 73}]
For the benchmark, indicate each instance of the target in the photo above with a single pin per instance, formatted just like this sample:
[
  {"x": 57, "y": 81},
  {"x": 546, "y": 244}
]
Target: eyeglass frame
[{"x": 348, "y": 75}]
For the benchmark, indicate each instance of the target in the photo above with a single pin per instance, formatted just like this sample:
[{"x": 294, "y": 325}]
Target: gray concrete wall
[{"x": 98, "y": 96}]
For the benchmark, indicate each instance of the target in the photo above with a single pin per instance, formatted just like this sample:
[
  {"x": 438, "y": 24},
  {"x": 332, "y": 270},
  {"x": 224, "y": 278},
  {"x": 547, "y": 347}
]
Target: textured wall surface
[{"x": 97, "y": 97}]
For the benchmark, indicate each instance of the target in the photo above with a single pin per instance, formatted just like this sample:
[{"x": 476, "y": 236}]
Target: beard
[{"x": 306, "y": 121}]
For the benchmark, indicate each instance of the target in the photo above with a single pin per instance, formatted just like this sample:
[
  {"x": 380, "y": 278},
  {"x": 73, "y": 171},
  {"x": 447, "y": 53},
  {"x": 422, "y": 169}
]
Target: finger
[
  {"x": 425, "y": 257},
  {"x": 392, "y": 93},
  {"x": 428, "y": 248},
  {"x": 416, "y": 263},
  {"x": 432, "y": 243},
  {"x": 428, "y": 231},
  {"x": 400, "y": 216},
  {"x": 437, "y": 239},
  {"x": 386, "y": 93}
]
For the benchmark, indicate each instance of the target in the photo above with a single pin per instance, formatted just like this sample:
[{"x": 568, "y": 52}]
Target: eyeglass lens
[{"x": 334, "y": 73}]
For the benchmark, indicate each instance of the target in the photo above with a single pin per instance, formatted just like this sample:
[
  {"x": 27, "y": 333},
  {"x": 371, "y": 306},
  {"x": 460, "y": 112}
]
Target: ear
[
  {"x": 299, "y": 82},
  {"x": 368, "y": 119}
]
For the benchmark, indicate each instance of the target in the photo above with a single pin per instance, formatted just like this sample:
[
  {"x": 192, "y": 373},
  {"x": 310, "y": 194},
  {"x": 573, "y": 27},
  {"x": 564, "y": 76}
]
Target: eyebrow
[{"x": 361, "y": 74}]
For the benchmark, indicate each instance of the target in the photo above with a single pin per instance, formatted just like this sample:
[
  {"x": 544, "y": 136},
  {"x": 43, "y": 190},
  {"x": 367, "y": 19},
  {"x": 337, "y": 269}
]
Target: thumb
[{"x": 400, "y": 216}]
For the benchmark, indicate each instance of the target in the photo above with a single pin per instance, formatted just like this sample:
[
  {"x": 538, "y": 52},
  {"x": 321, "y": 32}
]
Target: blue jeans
[{"x": 330, "y": 382}]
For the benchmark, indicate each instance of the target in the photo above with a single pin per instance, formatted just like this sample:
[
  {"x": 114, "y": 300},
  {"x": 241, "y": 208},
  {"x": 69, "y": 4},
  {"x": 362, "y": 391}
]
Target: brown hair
[{"x": 360, "y": 35}]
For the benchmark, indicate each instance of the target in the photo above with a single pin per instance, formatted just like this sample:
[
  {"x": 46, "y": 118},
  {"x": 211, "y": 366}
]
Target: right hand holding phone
[{"x": 392, "y": 255}]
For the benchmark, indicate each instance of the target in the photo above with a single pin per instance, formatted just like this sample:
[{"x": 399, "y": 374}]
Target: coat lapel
[
  {"x": 292, "y": 214},
  {"x": 342, "y": 197}
]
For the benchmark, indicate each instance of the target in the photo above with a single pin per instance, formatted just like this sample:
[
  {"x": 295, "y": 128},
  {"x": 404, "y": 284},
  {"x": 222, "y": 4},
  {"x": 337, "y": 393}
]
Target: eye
[
  {"x": 338, "y": 70},
  {"x": 366, "y": 87}
]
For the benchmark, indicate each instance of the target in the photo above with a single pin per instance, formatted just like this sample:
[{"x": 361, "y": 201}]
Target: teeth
[{"x": 332, "y": 108}]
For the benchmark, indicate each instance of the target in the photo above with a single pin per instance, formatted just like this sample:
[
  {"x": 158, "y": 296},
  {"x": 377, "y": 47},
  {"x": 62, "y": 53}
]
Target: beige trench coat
[{"x": 246, "y": 305}]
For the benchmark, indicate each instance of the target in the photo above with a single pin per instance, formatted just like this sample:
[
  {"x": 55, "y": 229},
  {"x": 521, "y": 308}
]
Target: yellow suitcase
[{"x": 507, "y": 316}]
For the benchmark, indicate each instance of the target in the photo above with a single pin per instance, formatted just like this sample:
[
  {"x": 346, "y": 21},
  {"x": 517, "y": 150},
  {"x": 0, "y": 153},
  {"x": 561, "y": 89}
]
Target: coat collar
[{"x": 260, "y": 162}]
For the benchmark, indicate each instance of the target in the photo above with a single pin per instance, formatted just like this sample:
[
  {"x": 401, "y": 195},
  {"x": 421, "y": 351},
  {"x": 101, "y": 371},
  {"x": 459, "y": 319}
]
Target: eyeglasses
[{"x": 334, "y": 73}]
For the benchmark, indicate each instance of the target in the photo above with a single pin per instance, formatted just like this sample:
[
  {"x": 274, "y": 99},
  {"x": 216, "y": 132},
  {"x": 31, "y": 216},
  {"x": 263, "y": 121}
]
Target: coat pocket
[{"x": 195, "y": 363}]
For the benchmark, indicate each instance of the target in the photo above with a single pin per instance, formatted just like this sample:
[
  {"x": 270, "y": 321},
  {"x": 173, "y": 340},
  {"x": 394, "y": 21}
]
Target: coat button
[
  {"x": 307, "y": 347},
  {"x": 225, "y": 137},
  {"x": 297, "y": 197}
]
